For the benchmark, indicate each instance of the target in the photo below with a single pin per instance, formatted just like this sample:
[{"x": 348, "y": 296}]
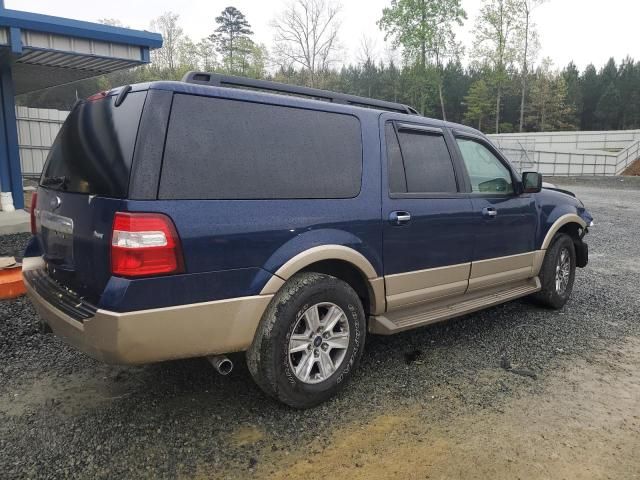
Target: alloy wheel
[
  {"x": 563, "y": 271},
  {"x": 319, "y": 342}
]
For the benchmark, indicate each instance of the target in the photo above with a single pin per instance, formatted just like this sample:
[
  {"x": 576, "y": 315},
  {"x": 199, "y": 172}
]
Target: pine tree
[
  {"x": 549, "y": 110},
  {"x": 628, "y": 83},
  {"x": 232, "y": 37},
  {"x": 479, "y": 103},
  {"x": 591, "y": 93},
  {"x": 571, "y": 77},
  {"x": 607, "y": 112}
]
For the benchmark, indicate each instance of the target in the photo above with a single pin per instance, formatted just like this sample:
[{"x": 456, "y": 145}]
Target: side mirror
[{"x": 531, "y": 182}]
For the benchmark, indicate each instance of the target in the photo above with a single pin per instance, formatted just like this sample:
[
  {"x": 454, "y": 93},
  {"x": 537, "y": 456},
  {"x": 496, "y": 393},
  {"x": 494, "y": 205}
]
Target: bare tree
[
  {"x": 173, "y": 38},
  {"x": 367, "y": 51},
  {"x": 529, "y": 44},
  {"x": 306, "y": 35}
]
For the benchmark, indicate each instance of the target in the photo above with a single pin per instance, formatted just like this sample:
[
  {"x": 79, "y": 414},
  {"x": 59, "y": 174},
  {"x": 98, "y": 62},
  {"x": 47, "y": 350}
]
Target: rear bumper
[{"x": 155, "y": 335}]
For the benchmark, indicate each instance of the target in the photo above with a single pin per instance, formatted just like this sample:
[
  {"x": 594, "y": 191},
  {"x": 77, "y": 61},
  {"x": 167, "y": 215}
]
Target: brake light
[
  {"x": 144, "y": 244},
  {"x": 97, "y": 96},
  {"x": 34, "y": 204}
]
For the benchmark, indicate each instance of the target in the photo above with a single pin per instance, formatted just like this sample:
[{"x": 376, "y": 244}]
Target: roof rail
[{"x": 218, "y": 80}]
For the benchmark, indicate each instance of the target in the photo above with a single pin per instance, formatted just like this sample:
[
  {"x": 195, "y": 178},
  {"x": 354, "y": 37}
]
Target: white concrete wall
[
  {"x": 571, "y": 153},
  {"x": 37, "y": 129},
  {"x": 569, "y": 141}
]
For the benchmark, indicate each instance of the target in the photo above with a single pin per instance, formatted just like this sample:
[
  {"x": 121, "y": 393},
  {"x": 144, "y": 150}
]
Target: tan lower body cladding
[
  {"x": 424, "y": 286},
  {"x": 159, "y": 334},
  {"x": 427, "y": 296}
]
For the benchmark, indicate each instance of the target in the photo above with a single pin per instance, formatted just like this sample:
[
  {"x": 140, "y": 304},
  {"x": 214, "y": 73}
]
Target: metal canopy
[
  {"x": 40, "y": 51},
  {"x": 45, "y": 51}
]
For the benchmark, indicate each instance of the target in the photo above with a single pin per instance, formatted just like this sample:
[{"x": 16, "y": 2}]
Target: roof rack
[{"x": 218, "y": 80}]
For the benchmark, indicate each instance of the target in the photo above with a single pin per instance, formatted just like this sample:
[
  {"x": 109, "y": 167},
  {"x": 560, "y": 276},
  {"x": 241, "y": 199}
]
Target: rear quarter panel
[{"x": 233, "y": 247}]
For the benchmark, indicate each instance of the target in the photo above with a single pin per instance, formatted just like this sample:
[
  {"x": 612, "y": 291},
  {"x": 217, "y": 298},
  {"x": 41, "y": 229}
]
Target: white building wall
[{"x": 37, "y": 129}]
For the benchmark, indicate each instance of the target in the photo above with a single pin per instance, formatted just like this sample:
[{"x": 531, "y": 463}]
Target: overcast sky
[{"x": 585, "y": 31}]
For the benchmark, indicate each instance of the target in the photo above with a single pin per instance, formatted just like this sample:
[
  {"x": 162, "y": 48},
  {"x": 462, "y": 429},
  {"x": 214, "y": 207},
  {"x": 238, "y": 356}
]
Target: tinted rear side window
[
  {"x": 227, "y": 149},
  {"x": 427, "y": 163},
  {"x": 94, "y": 149}
]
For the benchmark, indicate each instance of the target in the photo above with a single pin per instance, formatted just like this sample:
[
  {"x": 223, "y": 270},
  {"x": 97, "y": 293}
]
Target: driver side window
[{"x": 486, "y": 171}]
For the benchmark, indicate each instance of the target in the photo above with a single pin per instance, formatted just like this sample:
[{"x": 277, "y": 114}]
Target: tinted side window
[
  {"x": 486, "y": 172},
  {"x": 227, "y": 149},
  {"x": 427, "y": 163}
]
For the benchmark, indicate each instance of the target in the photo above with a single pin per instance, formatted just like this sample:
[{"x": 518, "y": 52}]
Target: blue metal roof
[
  {"x": 78, "y": 28},
  {"x": 45, "y": 51}
]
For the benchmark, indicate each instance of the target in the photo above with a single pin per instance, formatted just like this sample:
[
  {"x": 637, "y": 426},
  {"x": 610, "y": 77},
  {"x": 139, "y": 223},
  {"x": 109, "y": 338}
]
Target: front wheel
[
  {"x": 309, "y": 340},
  {"x": 557, "y": 273}
]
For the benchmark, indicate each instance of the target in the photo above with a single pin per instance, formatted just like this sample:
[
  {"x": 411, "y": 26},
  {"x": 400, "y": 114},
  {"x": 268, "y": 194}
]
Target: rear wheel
[
  {"x": 309, "y": 340},
  {"x": 557, "y": 273}
]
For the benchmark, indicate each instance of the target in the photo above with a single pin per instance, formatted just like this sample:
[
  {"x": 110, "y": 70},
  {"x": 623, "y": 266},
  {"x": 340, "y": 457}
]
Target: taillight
[
  {"x": 97, "y": 96},
  {"x": 34, "y": 205},
  {"x": 144, "y": 244}
]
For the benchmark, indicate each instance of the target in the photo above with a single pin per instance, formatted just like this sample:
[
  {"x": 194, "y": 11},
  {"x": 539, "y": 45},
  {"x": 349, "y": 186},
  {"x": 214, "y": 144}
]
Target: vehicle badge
[{"x": 55, "y": 202}]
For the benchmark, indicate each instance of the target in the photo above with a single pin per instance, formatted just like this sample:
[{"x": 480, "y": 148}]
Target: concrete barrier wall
[
  {"x": 569, "y": 141},
  {"x": 571, "y": 153},
  {"x": 563, "y": 163},
  {"x": 37, "y": 129}
]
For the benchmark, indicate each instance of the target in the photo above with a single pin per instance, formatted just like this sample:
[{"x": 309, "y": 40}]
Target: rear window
[
  {"x": 94, "y": 149},
  {"x": 227, "y": 149}
]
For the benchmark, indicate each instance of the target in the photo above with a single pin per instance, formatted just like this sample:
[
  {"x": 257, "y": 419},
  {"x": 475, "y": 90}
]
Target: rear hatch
[{"x": 84, "y": 181}]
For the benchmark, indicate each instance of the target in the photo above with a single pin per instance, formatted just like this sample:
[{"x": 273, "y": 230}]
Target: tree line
[{"x": 496, "y": 84}]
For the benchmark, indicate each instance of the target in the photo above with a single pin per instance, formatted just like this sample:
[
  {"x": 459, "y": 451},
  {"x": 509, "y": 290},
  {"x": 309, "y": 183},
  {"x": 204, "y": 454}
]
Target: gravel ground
[{"x": 65, "y": 415}]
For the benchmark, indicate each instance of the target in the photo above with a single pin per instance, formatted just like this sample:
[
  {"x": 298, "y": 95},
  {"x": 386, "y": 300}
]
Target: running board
[{"x": 419, "y": 315}]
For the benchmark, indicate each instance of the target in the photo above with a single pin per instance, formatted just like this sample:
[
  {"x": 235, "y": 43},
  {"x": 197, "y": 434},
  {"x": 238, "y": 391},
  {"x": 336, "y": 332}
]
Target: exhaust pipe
[{"x": 221, "y": 363}]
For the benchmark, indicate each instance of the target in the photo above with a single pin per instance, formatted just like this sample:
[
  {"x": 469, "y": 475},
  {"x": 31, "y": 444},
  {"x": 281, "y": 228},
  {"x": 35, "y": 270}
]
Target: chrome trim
[{"x": 55, "y": 222}]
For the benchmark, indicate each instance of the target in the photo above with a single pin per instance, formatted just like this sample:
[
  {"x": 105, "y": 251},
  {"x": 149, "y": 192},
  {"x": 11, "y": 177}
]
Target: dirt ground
[
  {"x": 633, "y": 169},
  {"x": 583, "y": 424}
]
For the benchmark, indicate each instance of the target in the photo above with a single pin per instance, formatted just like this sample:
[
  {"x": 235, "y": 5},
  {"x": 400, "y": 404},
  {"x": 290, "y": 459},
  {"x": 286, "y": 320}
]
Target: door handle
[
  {"x": 399, "y": 218},
  {"x": 489, "y": 212}
]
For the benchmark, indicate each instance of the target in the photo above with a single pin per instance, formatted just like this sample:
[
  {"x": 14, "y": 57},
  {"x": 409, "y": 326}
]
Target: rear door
[
  {"x": 504, "y": 240},
  {"x": 427, "y": 217},
  {"x": 84, "y": 180}
]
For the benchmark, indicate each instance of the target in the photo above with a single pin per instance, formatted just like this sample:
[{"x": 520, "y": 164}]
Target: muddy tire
[
  {"x": 557, "y": 273},
  {"x": 309, "y": 341}
]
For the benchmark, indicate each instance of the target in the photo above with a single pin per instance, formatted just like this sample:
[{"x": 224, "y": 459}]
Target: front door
[
  {"x": 428, "y": 219},
  {"x": 504, "y": 239}
]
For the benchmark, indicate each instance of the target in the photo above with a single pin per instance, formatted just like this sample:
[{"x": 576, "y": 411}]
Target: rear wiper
[{"x": 61, "y": 181}]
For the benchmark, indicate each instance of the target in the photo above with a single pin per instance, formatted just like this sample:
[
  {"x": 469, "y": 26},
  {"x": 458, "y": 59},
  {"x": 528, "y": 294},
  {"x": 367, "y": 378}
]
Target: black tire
[
  {"x": 271, "y": 363},
  {"x": 551, "y": 296}
]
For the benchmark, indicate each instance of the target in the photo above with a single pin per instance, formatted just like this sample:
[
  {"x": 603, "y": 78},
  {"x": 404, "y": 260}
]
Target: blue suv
[{"x": 219, "y": 214}]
